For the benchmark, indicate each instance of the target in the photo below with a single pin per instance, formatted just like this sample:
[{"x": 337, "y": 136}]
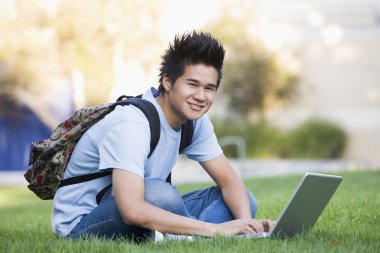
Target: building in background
[
  {"x": 25, "y": 119},
  {"x": 19, "y": 127},
  {"x": 336, "y": 45}
]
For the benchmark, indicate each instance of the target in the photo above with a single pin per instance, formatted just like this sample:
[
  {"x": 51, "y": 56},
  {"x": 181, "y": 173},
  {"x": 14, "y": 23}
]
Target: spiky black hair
[{"x": 191, "y": 48}]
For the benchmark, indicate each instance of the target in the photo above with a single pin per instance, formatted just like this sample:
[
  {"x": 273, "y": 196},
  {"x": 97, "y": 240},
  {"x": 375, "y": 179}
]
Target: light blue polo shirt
[{"x": 122, "y": 140}]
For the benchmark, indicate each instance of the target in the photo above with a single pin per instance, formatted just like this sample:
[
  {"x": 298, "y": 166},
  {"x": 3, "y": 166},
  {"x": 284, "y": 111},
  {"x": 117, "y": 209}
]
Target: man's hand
[
  {"x": 241, "y": 226},
  {"x": 267, "y": 224}
]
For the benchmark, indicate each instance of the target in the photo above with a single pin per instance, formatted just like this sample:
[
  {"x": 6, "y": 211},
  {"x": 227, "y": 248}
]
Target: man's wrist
[
  {"x": 244, "y": 216},
  {"x": 210, "y": 229}
]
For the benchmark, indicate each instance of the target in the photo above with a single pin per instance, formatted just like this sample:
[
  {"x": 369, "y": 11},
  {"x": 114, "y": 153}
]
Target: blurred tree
[
  {"x": 253, "y": 80},
  {"x": 45, "y": 40},
  {"x": 42, "y": 41},
  {"x": 90, "y": 34}
]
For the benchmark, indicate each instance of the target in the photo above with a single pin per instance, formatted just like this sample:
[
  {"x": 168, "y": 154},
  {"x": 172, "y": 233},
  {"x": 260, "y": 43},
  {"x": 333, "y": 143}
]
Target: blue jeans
[{"x": 205, "y": 205}]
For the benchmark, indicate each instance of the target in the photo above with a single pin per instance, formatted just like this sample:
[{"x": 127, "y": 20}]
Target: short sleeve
[{"x": 204, "y": 146}]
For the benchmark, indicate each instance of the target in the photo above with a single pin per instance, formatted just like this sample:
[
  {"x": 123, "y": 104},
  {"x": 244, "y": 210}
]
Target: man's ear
[{"x": 166, "y": 83}]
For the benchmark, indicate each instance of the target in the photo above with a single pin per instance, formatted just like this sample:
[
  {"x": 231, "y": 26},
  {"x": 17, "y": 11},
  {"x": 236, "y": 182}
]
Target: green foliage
[
  {"x": 42, "y": 43},
  {"x": 253, "y": 79},
  {"x": 349, "y": 223},
  {"x": 261, "y": 139},
  {"x": 313, "y": 139}
]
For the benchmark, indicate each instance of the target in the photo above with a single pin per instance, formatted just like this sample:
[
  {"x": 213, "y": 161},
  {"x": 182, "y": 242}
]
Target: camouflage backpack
[{"x": 49, "y": 158}]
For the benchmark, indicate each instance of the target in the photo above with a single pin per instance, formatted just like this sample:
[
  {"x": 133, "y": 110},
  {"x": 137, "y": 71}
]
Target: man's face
[{"x": 192, "y": 95}]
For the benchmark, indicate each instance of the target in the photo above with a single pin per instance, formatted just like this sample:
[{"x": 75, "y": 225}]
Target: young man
[{"x": 140, "y": 200}]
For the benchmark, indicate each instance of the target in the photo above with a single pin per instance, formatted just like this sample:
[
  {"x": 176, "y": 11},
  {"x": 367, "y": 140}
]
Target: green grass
[{"x": 350, "y": 223}]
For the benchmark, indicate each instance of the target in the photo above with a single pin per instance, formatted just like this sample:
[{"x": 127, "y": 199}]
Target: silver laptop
[{"x": 305, "y": 206}]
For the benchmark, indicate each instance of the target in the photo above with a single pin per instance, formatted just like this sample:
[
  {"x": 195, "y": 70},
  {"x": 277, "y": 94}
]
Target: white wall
[{"x": 337, "y": 48}]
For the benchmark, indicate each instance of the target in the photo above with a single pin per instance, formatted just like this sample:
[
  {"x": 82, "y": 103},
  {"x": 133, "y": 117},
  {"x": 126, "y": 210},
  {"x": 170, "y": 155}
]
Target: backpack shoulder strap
[
  {"x": 154, "y": 124},
  {"x": 187, "y": 131},
  {"x": 186, "y": 135},
  {"x": 150, "y": 113}
]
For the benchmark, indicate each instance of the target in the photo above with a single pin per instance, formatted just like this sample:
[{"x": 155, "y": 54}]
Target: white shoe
[{"x": 159, "y": 237}]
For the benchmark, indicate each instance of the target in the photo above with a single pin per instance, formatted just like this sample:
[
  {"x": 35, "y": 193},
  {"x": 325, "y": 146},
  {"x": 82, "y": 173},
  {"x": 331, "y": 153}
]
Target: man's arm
[
  {"x": 233, "y": 190},
  {"x": 129, "y": 195}
]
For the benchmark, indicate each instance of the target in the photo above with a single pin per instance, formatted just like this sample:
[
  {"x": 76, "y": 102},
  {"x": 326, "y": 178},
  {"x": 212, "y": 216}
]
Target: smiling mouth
[{"x": 196, "y": 107}]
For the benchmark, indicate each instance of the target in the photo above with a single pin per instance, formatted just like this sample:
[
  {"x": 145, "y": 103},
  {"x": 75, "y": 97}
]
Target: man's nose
[{"x": 200, "y": 94}]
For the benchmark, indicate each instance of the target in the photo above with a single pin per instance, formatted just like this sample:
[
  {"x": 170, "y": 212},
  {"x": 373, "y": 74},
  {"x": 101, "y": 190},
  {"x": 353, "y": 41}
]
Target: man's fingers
[
  {"x": 267, "y": 224},
  {"x": 256, "y": 226},
  {"x": 251, "y": 226}
]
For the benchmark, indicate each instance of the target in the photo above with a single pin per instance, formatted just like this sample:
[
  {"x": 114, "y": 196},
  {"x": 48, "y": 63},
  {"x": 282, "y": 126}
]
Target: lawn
[{"x": 350, "y": 223}]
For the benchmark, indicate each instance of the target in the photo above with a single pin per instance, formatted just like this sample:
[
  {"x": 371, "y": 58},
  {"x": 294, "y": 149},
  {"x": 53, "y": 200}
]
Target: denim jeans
[{"x": 205, "y": 205}]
